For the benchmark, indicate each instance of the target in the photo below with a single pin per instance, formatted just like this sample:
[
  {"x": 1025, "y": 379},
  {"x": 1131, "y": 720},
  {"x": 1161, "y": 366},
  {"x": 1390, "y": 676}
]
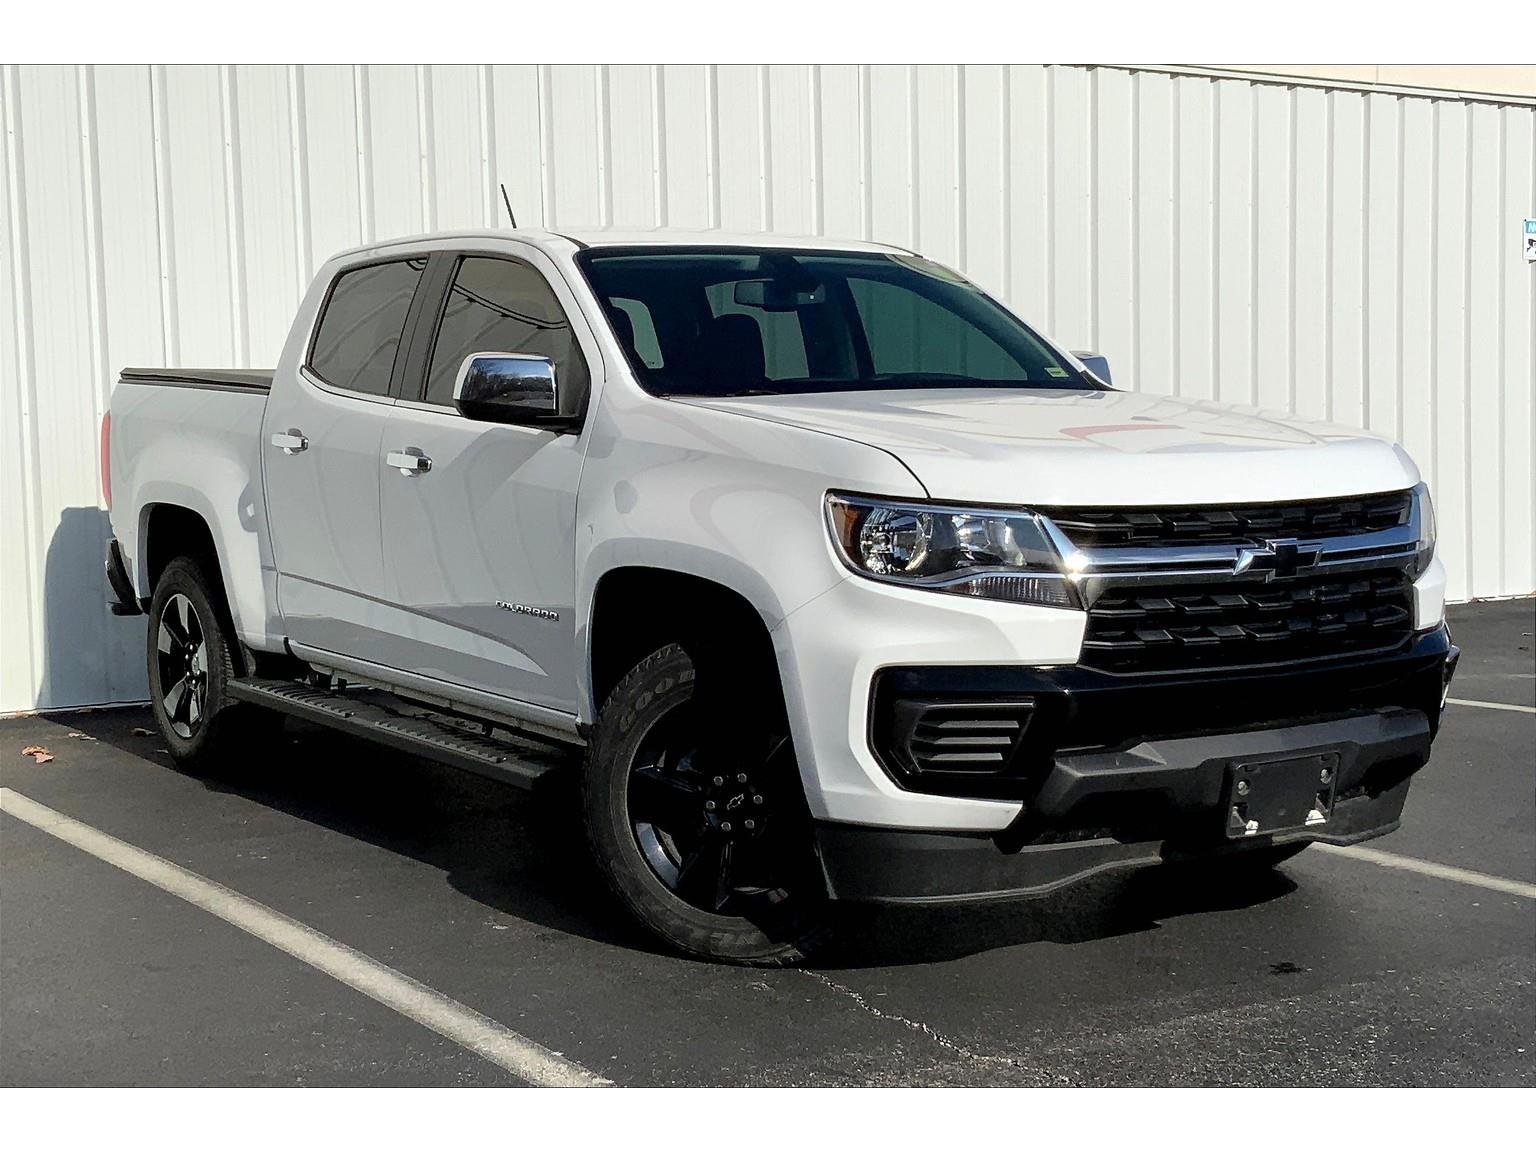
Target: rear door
[
  {"x": 321, "y": 440},
  {"x": 479, "y": 535}
]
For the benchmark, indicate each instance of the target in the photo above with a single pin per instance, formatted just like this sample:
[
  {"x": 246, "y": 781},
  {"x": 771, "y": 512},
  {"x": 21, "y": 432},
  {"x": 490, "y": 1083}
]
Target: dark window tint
[
  {"x": 499, "y": 305},
  {"x": 359, "y": 333},
  {"x": 911, "y": 335},
  {"x": 725, "y": 322}
]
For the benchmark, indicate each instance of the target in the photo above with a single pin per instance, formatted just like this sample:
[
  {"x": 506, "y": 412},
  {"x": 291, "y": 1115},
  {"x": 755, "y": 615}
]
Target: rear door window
[{"x": 358, "y": 336}]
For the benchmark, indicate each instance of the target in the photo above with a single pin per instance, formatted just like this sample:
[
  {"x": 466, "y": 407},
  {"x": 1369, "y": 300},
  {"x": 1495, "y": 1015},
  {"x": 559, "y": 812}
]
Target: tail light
[{"x": 106, "y": 459}]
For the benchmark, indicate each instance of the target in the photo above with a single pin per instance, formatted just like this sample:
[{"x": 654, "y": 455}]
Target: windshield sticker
[{"x": 1053, "y": 370}]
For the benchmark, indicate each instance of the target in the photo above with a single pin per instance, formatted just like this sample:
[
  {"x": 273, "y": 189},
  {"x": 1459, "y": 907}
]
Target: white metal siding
[{"x": 1339, "y": 253}]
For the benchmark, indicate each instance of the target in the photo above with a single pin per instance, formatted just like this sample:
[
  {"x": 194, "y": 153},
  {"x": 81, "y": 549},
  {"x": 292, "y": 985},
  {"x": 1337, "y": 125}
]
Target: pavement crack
[{"x": 927, "y": 1030}]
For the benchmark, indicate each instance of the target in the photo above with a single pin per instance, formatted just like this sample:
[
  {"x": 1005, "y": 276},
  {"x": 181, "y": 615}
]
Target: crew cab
[{"x": 827, "y": 576}]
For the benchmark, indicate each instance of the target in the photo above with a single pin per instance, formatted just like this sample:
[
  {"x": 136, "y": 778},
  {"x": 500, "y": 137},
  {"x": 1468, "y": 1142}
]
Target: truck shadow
[{"x": 524, "y": 856}]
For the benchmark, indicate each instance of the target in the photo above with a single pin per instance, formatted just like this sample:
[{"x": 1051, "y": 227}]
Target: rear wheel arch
[{"x": 174, "y": 531}]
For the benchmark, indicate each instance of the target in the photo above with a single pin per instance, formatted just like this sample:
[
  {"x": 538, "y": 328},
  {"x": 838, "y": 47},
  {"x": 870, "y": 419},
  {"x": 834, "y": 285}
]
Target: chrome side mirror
[
  {"x": 1098, "y": 365},
  {"x": 507, "y": 388}
]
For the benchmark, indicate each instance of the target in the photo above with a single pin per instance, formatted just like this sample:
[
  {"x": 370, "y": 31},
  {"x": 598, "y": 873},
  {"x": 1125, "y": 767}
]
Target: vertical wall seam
[
  {"x": 914, "y": 192},
  {"x": 1135, "y": 221},
  {"x": 26, "y": 393},
  {"x": 1402, "y": 232},
  {"x": 90, "y": 192},
  {"x": 1005, "y": 182},
  {"x": 1253, "y": 246},
  {"x": 813, "y": 112},
  {"x": 765, "y": 146},
  {"x": 1050, "y": 197},
  {"x": 171, "y": 332},
  {"x": 90, "y": 162},
  {"x": 362, "y": 121},
  {"x": 1329, "y": 212},
  {"x": 1434, "y": 299},
  {"x": 659, "y": 141},
  {"x": 962, "y": 248},
  {"x": 490, "y": 194},
  {"x": 546, "y": 147},
  {"x": 1365, "y": 263},
  {"x": 866, "y": 157},
  {"x": 1466, "y": 347},
  {"x": 712, "y": 141},
  {"x": 234, "y": 203},
  {"x": 605, "y": 148},
  {"x": 1290, "y": 250},
  {"x": 1501, "y": 493},
  {"x": 1215, "y": 238},
  {"x": 298, "y": 133},
  {"x": 426, "y": 141},
  {"x": 1176, "y": 203}
]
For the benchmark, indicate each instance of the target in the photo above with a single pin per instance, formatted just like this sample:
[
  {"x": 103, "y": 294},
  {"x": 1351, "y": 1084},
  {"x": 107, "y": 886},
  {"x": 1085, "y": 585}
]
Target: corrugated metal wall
[{"x": 1339, "y": 253}]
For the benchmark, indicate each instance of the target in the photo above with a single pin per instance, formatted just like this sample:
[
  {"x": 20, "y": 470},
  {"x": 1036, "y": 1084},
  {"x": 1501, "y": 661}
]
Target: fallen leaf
[
  {"x": 80, "y": 736},
  {"x": 141, "y": 732},
  {"x": 38, "y": 753}
]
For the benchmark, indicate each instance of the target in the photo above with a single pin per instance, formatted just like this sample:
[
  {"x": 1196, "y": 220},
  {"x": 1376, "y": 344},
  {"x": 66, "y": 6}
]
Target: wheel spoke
[
  {"x": 194, "y": 707},
  {"x": 170, "y": 620},
  {"x": 704, "y": 879},
  {"x": 657, "y": 796},
  {"x": 165, "y": 642},
  {"x": 193, "y": 623},
  {"x": 173, "y": 700}
]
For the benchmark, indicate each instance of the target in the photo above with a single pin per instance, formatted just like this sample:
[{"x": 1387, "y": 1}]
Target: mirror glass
[
  {"x": 507, "y": 387},
  {"x": 1098, "y": 365}
]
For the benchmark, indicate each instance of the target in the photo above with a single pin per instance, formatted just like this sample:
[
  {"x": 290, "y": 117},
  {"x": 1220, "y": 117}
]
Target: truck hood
[{"x": 1048, "y": 446}]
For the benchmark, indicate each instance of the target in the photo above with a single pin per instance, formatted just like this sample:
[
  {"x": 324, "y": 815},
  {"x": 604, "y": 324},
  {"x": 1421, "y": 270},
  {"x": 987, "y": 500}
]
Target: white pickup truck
[{"x": 831, "y": 579}]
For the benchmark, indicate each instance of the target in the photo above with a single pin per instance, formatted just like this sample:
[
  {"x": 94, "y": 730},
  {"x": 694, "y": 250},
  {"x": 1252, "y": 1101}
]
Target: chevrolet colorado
[{"x": 828, "y": 577}]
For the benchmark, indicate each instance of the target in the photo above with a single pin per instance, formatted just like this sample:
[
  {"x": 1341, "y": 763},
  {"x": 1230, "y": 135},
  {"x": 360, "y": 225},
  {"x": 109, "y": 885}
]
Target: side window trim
[
  {"x": 410, "y": 381},
  {"x": 307, "y": 369}
]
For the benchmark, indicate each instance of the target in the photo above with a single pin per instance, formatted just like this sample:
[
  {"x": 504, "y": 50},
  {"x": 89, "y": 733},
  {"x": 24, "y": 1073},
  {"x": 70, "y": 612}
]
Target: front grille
[
  {"x": 1231, "y": 524},
  {"x": 1247, "y": 622}
]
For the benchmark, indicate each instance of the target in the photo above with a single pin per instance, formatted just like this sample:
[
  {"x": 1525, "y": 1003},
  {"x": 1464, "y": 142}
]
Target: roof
[
  {"x": 637, "y": 238},
  {"x": 714, "y": 237}
]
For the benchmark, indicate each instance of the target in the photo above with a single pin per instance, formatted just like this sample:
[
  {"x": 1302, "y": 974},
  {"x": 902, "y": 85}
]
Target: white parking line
[
  {"x": 1490, "y": 704},
  {"x": 1430, "y": 868},
  {"x": 480, "y": 1034}
]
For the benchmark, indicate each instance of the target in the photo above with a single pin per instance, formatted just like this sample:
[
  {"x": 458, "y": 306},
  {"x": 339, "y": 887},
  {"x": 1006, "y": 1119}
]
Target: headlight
[
  {"x": 987, "y": 553},
  {"x": 1424, "y": 509}
]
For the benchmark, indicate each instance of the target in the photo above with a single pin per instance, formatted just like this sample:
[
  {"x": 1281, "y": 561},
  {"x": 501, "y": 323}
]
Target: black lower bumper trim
[{"x": 1167, "y": 796}]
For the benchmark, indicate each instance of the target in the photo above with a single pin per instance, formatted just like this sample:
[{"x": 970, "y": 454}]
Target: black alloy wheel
[
  {"x": 182, "y": 649},
  {"x": 696, "y": 818}
]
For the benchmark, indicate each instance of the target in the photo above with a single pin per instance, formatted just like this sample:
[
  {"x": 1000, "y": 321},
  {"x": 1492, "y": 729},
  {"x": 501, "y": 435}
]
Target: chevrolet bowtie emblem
[{"x": 1277, "y": 558}]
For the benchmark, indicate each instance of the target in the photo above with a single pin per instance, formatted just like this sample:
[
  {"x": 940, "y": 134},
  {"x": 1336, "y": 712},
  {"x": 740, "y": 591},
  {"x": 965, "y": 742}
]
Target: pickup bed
[{"x": 826, "y": 576}]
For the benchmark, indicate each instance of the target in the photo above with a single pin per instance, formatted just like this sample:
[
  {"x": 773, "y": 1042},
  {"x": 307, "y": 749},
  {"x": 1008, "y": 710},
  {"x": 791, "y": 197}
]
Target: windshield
[{"x": 749, "y": 322}]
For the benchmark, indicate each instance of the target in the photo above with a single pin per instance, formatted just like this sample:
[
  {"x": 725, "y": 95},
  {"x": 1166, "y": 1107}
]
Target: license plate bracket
[{"x": 1284, "y": 794}]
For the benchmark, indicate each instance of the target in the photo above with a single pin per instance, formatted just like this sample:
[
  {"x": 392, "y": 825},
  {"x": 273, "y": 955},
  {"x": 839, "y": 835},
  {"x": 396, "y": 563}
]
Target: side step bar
[{"x": 384, "y": 719}]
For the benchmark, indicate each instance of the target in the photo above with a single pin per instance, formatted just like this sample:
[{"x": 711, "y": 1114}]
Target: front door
[
  {"x": 320, "y": 443},
  {"x": 479, "y": 521}
]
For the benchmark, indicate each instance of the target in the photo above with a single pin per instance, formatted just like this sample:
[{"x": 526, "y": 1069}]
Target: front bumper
[
  {"x": 1136, "y": 799},
  {"x": 1161, "y": 799}
]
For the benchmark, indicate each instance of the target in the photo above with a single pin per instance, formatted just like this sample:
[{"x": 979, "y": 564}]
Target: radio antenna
[{"x": 507, "y": 200}]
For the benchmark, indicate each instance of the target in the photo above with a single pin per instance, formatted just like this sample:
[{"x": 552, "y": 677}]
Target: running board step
[{"x": 385, "y": 719}]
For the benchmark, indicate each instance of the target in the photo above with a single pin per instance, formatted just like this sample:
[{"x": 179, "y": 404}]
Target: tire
[
  {"x": 714, "y": 859},
  {"x": 190, "y": 659}
]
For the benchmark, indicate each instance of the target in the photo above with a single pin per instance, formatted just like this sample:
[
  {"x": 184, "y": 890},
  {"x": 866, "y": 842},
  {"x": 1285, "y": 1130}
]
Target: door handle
[
  {"x": 291, "y": 442},
  {"x": 410, "y": 461}
]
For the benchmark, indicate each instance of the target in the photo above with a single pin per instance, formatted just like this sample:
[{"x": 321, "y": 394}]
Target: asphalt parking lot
[{"x": 1340, "y": 969}]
